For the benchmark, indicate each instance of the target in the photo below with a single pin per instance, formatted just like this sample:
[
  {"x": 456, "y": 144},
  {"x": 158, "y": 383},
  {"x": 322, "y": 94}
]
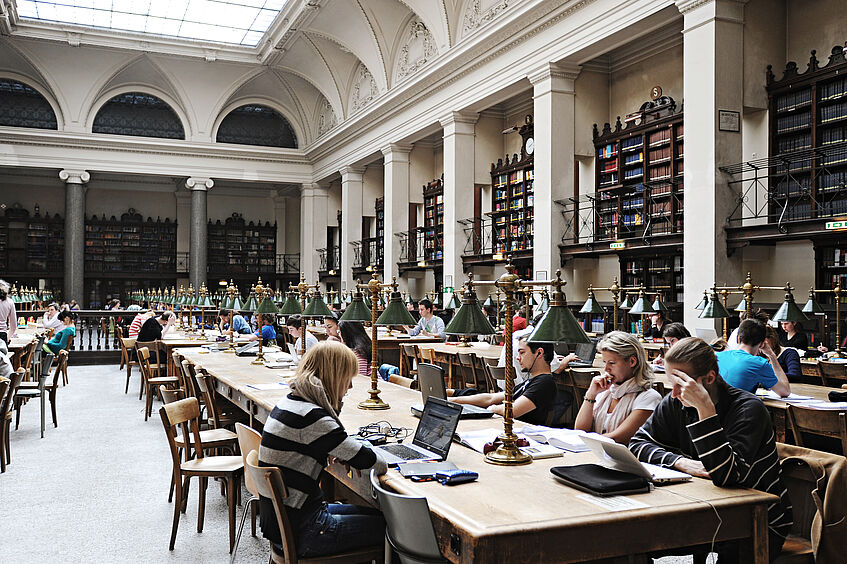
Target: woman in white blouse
[{"x": 620, "y": 400}]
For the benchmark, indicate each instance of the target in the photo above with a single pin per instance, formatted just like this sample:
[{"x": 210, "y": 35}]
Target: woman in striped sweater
[{"x": 302, "y": 435}]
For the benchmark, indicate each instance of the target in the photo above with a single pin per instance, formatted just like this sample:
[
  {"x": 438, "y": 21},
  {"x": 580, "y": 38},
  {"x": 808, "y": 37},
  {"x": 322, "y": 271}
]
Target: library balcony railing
[
  {"x": 182, "y": 263},
  {"x": 330, "y": 258},
  {"x": 479, "y": 233},
  {"x": 420, "y": 248},
  {"x": 790, "y": 196},
  {"x": 288, "y": 263},
  {"x": 367, "y": 252}
]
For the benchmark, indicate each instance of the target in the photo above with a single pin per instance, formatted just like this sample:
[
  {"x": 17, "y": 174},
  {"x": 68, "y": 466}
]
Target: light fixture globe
[{"x": 626, "y": 303}]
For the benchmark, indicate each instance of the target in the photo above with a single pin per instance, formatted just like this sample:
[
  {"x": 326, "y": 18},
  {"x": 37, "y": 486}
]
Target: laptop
[
  {"x": 431, "y": 382},
  {"x": 247, "y": 350},
  {"x": 586, "y": 353},
  {"x": 707, "y": 335},
  {"x": 295, "y": 358},
  {"x": 619, "y": 457},
  {"x": 432, "y": 437}
]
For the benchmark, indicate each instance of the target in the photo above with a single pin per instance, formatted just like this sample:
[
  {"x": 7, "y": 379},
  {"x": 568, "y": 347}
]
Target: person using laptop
[
  {"x": 231, "y": 319},
  {"x": 429, "y": 324},
  {"x": 710, "y": 429},
  {"x": 621, "y": 399},
  {"x": 745, "y": 369},
  {"x": 302, "y": 435},
  {"x": 354, "y": 336},
  {"x": 295, "y": 329},
  {"x": 558, "y": 365},
  {"x": 537, "y": 400},
  {"x": 266, "y": 330}
]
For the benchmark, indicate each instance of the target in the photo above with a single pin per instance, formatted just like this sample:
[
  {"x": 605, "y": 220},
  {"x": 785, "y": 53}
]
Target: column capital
[
  {"x": 396, "y": 152},
  {"x": 70, "y": 176},
  {"x": 199, "y": 184},
  {"x": 453, "y": 118},
  {"x": 351, "y": 173},
  {"x": 564, "y": 71},
  {"x": 698, "y": 12},
  {"x": 313, "y": 189}
]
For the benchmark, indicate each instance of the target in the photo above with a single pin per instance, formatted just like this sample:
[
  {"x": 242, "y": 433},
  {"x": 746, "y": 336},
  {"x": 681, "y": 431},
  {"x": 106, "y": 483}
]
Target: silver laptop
[
  {"x": 585, "y": 352},
  {"x": 248, "y": 350},
  {"x": 432, "y": 437},
  {"x": 431, "y": 382},
  {"x": 292, "y": 350},
  {"x": 707, "y": 335},
  {"x": 619, "y": 457}
]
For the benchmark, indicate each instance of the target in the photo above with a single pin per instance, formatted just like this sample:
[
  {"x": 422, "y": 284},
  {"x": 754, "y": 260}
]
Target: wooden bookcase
[
  {"x": 236, "y": 247},
  {"x": 433, "y": 194},
  {"x": 639, "y": 173},
  {"x": 32, "y": 247},
  {"x": 513, "y": 198},
  {"x": 130, "y": 245},
  {"x": 808, "y": 113},
  {"x": 657, "y": 271}
]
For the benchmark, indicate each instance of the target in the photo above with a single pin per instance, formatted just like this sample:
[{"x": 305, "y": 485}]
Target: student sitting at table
[
  {"x": 60, "y": 340},
  {"x": 331, "y": 328},
  {"x": 788, "y": 357},
  {"x": 658, "y": 324},
  {"x": 354, "y": 336},
  {"x": 743, "y": 367},
  {"x": 51, "y": 317},
  {"x": 793, "y": 336},
  {"x": 672, "y": 333},
  {"x": 232, "y": 319},
  {"x": 295, "y": 328},
  {"x": 537, "y": 400},
  {"x": 156, "y": 327},
  {"x": 429, "y": 324},
  {"x": 519, "y": 320},
  {"x": 8, "y": 316},
  {"x": 558, "y": 365},
  {"x": 301, "y": 436},
  {"x": 266, "y": 329},
  {"x": 137, "y": 322},
  {"x": 621, "y": 399},
  {"x": 762, "y": 317},
  {"x": 712, "y": 430}
]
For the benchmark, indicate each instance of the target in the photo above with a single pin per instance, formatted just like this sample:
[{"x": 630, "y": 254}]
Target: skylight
[{"x": 239, "y": 22}]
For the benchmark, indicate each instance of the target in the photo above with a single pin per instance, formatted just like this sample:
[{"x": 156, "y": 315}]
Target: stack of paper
[
  {"x": 477, "y": 440},
  {"x": 565, "y": 439}
]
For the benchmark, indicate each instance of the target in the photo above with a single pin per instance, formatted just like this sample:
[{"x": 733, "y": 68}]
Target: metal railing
[
  {"x": 182, "y": 264},
  {"x": 478, "y": 236},
  {"x": 288, "y": 263},
  {"x": 417, "y": 247},
  {"x": 330, "y": 258},
  {"x": 367, "y": 252}
]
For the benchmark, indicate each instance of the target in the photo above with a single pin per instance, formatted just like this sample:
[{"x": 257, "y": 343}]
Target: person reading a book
[
  {"x": 232, "y": 319},
  {"x": 621, "y": 399},
  {"x": 537, "y": 400},
  {"x": 710, "y": 429},
  {"x": 266, "y": 330}
]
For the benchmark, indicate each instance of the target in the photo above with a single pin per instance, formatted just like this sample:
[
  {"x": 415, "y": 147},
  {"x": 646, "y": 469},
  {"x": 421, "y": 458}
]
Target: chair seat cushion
[
  {"x": 210, "y": 436},
  {"x": 214, "y": 464}
]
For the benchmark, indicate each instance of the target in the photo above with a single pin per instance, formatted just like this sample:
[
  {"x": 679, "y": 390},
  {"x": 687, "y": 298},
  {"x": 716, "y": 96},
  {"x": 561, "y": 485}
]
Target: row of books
[
  {"x": 832, "y": 181},
  {"x": 659, "y": 137},
  {"x": 793, "y": 122},
  {"x": 633, "y": 158},
  {"x": 633, "y": 173},
  {"x": 834, "y": 112},
  {"x": 793, "y": 100},
  {"x": 631, "y": 143},
  {"x": 608, "y": 151},
  {"x": 660, "y": 154},
  {"x": 791, "y": 143},
  {"x": 832, "y": 135},
  {"x": 833, "y": 90}
]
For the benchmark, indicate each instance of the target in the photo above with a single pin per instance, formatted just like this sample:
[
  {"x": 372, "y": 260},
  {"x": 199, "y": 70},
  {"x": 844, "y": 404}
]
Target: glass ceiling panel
[{"x": 240, "y": 22}]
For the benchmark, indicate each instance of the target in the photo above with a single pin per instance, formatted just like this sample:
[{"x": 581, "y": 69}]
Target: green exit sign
[
  {"x": 448, "y": 289},
  {"x": 836, "y": 224},
  {"x": 620, "y": 245}
]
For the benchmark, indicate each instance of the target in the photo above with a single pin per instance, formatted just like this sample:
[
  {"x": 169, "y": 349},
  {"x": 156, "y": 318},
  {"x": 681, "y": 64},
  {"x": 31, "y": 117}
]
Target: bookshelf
[
  {"x": 236, "y": 247},
  {"x": 808, "y": 114},
  {"x": 32, "y": 247},
  {"x": 658, "y": 271},
  {"x": 639, "y": 173},
  {"x": 130, "y": 246},
  {"x": 433, "y": 195},
  {"x": 513, "y": 198}
]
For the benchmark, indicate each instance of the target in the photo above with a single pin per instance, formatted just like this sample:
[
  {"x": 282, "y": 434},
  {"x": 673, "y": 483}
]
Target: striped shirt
[
  {"x": 364, "y": 364},
  {"x": 136, "y": 324},
  {"x": 298, "y": 437},
  {"x": 736, "y": 446}
]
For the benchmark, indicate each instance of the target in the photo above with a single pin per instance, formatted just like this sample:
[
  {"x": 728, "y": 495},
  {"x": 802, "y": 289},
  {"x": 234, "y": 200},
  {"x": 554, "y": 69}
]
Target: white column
[
  {"x": 351, "y": 219},
  {"x": 198, "y": 248},
  {"x": 459, "y": 139},
  {"x": 553, "y": 118},
  {"x": 313, "y": 204},
  {"x": 280, "y": 211},
  {"x": 396, "y": 195},
  {"x": 713, "y": 35},
  {"x": 75, "y": 181}
]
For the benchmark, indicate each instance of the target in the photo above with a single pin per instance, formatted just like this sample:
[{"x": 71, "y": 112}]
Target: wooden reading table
[{"x": 522, "y": 514}]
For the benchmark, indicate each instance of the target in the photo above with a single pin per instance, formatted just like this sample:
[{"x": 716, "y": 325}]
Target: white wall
[{"x": 630, "y": 86}]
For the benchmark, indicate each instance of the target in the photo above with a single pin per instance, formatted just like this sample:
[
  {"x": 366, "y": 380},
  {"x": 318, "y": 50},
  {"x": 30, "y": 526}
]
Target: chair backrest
[
  {"x": 143, "y": 361},
  {"x": 408, "y": 525},
  {"x": 495, "y": 373},
  {"x": 26, "y": 356},
  {"x": 248, "y": 440},
  {"x": 6, "y": 402},
  {"x": 408, "y": 358},
  {"x": 467, "y": 370},
  {"x": 427, "y": 355},
  {"x": 35, "y": 365},
  {"x": 43, "y": 368},
  {"x": 4, "y": 385},
  {"x": 269, "y": 484},
  {"x": 190, "y": 377},
  {"x": 833, "y": 374},
  {"x": 150, "y": 346},
  {"x": 169, "y": 395},
  {"x": 185, "y": 414},
  {"x": 660, "y": 387},
  {"x": 204, "y": 384},
  {"x": 178, "y": 358},
  {"x": 817, "y": 422}
]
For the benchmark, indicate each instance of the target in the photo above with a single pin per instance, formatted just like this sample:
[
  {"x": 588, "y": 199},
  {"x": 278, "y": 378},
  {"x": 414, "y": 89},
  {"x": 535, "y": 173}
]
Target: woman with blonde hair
[
  {"x": 302, "y": 435},
  {"x": 621, "y": 399}
]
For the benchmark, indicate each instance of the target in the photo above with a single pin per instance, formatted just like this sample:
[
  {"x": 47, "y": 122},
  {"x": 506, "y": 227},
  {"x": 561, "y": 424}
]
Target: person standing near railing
[{"x": 8, "y": 315}]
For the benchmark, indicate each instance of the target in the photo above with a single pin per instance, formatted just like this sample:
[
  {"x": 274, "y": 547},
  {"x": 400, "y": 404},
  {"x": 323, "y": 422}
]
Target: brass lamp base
[
  {"x": 508, "y": 454},
  {"x": 260, "y": 359},
  {"x": 230, "y": 350},
  {"x": 374, "y": 402},
  {"x": 463, "y": 342}
]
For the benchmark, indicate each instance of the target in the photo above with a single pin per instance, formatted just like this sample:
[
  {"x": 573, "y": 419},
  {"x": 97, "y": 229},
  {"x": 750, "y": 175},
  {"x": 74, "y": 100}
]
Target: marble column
[
  {"x": 553, "y": 161},
  {"x": 713, "y": 33},
  {"x": 75, "y": 181},
  {"x": 396, "y": 193},
  {"x": 313, "y": 224},
  {"x": 280, "y": 211},
  {"x": 197, "y": 270},
  {"x": 351, "y": 223},
  {"x": 459, "y": 140}
]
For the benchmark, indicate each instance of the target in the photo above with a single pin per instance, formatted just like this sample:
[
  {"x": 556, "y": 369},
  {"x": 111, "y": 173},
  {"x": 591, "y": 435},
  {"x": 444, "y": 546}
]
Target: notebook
[
  {"x": 586, "y": 353},
  {"x": 618, "y": 457},
  {"x": 433, "y": 435},
  {"x": 431, "y": 381}
]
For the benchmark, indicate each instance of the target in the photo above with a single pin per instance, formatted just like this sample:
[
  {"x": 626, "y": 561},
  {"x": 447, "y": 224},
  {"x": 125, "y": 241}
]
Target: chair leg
[
  {"x": 231, "y": 483},
  {"x": 65, "y": 377},
  {"x": 53, "y": 407},
  {"x": 185, "y": 488},
  {"x": 17, "y": 414},
  {"x": 241, "y": 528},
  {"x": 177, "y": 507},
  {"x": 148, "y": 404},
  {"x": 253, "y": 507},
  {"x": 43, "y": 409},
  {"x": 141, "y": 387},
  {"x": 201, "y": 508},
  {"x": 3, "y": 446},
  {"x": 128, "y": 373}
]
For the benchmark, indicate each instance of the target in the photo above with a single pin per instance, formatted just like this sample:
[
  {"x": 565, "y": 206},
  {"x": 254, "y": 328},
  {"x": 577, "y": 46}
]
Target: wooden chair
[
  {"x": 248, "y": 440},
  {"x": 185, "y": 414},
  {"x": 49, "y": 388},
  {"x": 6, "y": 402},
  {"x": 833, "y": 374},
  {"x": 32, "y": 390},
  {"x": 494, "y": 373},
  {"x": 268, "y": 480},
  {"x": 26, "y": 356},
  {"x": 65, "y": 369},
  {"x": 823, "y": 422},
  {"x": 580, "y": 381},
  {"x": 189, "y": 377},
  {"x": 160, "y": 366},
  {"x": 127, "y": 350},
  {"x": 5, "y": 383},
  {"x": 149, "y": 382},
  {"x": 426, "y": 355},
  {"x": 473, "y": 366},
  {"x": 661, "y": 388},
  {"x": 409, "y": 360},
  {"x": 216, "y": 417}
]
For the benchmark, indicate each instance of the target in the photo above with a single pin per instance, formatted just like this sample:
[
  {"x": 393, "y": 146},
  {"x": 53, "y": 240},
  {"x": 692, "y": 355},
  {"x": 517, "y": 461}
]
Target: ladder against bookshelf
[
  {"x": 808, "y": 126},
  {"x": 639, "y": 173},
  {"x": 433, "y": 196},
  {"x": 236, "y": 247},
  {"x": 513, "y": 199}
]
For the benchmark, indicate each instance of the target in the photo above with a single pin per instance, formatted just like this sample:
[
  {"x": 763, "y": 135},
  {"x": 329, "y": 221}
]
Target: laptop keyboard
[{"x": 402, "y": 451}]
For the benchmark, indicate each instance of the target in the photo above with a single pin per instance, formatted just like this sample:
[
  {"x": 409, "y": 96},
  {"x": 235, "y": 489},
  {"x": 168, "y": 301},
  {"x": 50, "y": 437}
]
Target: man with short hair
[
  {"x": 155, "y": 327},
  {"x": 231, "y": 319},
  {"x": 51, "y": 317},
  {"x": 295, "y": 329},
  {"x": 429, "y": 324},
  {"x": 743, "y": 367}
]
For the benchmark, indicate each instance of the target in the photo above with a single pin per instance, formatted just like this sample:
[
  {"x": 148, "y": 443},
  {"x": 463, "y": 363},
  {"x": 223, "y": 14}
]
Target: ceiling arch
[
  {"x": 341, "y": 62},
  {"x": 17, "y": 65},
  {"x": 433, "y": 13},
  {"x": 262, "y": 101},
  {"x": 305, "y": 59},
  {"x": 166, "y": 97}
]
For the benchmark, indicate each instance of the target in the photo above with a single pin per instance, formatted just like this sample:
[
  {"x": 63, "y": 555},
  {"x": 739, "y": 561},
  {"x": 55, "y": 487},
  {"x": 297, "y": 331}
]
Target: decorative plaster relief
[
  {"x": 327, "y": 119},
  {"x": 476, "y": 15},
  {"x": 364, "y": 88},
  {"x": 417, "y": 50}
]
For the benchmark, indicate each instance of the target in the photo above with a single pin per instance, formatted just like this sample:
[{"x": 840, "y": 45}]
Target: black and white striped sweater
[{"x": 298, "y": 437}]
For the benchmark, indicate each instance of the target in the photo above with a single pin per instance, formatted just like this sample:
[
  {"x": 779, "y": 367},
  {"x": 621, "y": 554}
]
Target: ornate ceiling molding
[
  {"x": 418, "y": 48},
  {"x": 364, "y": 89},
  {"x": 476, "y": 17}
]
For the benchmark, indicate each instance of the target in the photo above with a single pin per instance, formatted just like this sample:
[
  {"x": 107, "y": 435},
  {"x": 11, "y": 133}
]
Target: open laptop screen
[{"x": 437, "y": 425}]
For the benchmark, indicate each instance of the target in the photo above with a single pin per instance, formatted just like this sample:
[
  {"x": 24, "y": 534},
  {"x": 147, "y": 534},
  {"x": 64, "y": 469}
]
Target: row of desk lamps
[{"x": 27, "y": 298}]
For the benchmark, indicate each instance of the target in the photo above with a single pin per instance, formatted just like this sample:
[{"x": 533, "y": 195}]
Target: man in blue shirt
[
  {"x": 743, "y": 368},
  {"x": 429, "y": 324},
  {"x": 230, "y": 318}
]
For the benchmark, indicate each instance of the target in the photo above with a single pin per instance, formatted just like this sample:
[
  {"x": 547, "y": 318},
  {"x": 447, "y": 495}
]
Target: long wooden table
[{"x": 522, "y": 513}]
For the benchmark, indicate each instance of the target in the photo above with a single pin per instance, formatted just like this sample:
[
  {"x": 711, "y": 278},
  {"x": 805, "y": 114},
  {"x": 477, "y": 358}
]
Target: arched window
[
  {"x": 139, "y": 114},
  {"x": 23, "y": 106},
  {"x": 254, "y": 124}
]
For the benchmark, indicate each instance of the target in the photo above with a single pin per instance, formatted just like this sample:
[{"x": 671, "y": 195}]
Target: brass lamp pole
[
  {"x": 189, "y": 301},
  {"x": 615, "y": 289},
  {"x": 303, "y": 288},
  {"x": 230, "y": 290}
]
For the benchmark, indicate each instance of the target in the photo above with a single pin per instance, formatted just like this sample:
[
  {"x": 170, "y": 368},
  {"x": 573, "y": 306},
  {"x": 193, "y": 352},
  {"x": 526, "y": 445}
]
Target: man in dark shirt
[
  {"x": 709, "y": 429},
  {"x": 537, "y": 400},
  {"x": 154, "y": 328}
]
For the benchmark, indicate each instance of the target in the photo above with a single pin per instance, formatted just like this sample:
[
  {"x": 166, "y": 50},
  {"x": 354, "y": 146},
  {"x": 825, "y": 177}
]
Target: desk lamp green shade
[
  {"x": 812, "y": 306},
  {"x": 454, "y": 303},
  {"x": 336, "y": 299},
  {"x": 789, "y": 311},
  {"x": 591, "y": 305},
  {"x": 252, "y": 303},
  {"x": 658, "y": 305},
  {"x": 395, "y": 312},
  {"x": 204, "y": 302},
  {"x": 703, "y": 302},
  {"x": 742, "y": 305},
  {"x": 714, "y": 309},
  {"x": 625, "y": 304},
  {"x": 236, "y": 304},
  {"x": 267, "y": 306},
  {"x": 558, "y": 326},
  {"x": 357, "y": 310},
  {"x": 545, "y": 303},
  {"x": 317, "y": 307},
  {"x": 291, "y": 305},
  {"x": 469, "y": 319},
  {"x": 488, "y": 301},
  {"x": 409, "y": 299},
  {"x": 641, "y": 306}
]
